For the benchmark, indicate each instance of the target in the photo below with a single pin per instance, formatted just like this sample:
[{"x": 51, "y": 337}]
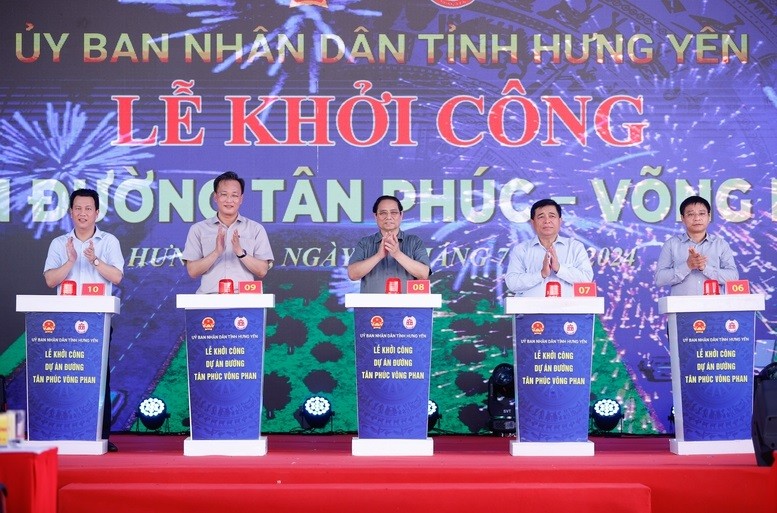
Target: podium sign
[
  {"x": 67, "y": 358},
  {"x": 225, "y": 355},
  {"x": 712, "y": 344},
  {"x": 552, "y": 342},
  {"x": 393, "y": 340}
]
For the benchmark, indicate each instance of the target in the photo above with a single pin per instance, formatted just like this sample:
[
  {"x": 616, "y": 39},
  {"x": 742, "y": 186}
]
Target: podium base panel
[
  {"x": 225, "y": 447},
  {"x": 392, "y": 447},
  {"x": 684, "y": 448},
  {"x": 552, "y": 448},
  {"x": 80, "y": 447}
]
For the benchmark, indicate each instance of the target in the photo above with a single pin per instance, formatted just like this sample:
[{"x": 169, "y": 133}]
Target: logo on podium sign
[
  {"x": 49, "y": 326},
  {"x": 732, "y": 325},
  {"x": 570, "y": 328},
  {"x": 699, "y": 326},
  {"x": 241, "y": 323},
  {"x": 208, "y": 323},
  {"x": 376, "y": 322},
  {"x": 81, "y": 327},
  {"x": 409, "y": 322},
  {"x": 537, "y": 327}
]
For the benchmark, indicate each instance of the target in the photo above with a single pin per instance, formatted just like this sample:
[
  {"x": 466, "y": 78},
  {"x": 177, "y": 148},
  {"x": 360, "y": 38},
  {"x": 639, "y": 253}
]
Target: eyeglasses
[
  {"x": 385, "y": 214},
  {"x": 696, "y": 214}
]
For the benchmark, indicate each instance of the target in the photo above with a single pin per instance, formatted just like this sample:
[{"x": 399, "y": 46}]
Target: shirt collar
[
  {"x": 378, "y": 236},
  {"x": 684, "y": 237},
  {"x": 559, "y": 240},
  {"x": 215, "y": 219},
  {"x": 98, "y": 234}
]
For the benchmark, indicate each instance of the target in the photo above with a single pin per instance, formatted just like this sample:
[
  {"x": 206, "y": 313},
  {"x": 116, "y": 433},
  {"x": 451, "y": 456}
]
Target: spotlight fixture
[
  {"x": 606, "y": 414},
  {"x": 433, "y": 414},
  {"x": 501, "y": 399},
  {"x": 764, "y": 430},
  {"x": 315, "y": 412},
  {"x": 152, "y": 413}
]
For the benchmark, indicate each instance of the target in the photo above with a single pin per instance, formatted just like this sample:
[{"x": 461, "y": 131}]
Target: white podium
[
  {"x": 553, "y": 344},
  {"x": 225, "y": 365},
  {"x": 711, "y": 346},
  {"x": 222, "y": 301},
  {"x": 393, "y": 341},
  {"x": 67, "y": 361}
]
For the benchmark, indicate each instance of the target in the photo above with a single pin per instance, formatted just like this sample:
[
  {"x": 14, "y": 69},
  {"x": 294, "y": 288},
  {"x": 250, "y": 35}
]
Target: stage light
[
  {"x": 501, "y": 399},
  {"x": 433, "y": 414},
  {"x": 315, "y": 412},
  {"x": 764, "y": 427},
  {"x": 152, "y": 413},
  {"x": 606, "y": 414}
]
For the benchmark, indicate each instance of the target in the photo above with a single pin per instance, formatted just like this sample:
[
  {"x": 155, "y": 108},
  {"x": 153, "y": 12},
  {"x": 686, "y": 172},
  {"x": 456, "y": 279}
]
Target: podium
[
  {"x": 225, "y": 365},
  {"x": 67, "y": 362},
  {"x": 393, "y": 341},
  {"x": 553, "y": 344},
  {"x": 711, "y": 348}
]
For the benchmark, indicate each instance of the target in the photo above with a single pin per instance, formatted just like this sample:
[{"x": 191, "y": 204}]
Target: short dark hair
[
  {"x": 544, "y": 203},
  {"x": 88, "y": 193},
  {"x": 386, "y": 197},
  {"x": 229, "y": 175},
  {"x": 694, "y": 200}
]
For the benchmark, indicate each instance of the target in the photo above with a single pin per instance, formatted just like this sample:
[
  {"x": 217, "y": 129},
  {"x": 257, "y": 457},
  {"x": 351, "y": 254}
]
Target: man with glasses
[
  {"x": 227, "y": 245},
  {"x": 389, "y": 253},
  {"x": 547, "y": 257},
  {"x": 689, "y": 259}
]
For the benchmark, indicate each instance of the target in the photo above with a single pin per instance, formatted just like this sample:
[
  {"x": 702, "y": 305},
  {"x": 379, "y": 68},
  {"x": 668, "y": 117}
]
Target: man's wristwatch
[
  {"x": 96, "y": 262},
  {"x": 244, "y": 254}
]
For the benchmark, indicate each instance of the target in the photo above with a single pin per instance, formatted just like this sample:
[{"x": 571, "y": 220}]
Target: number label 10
[
  {"x": 418, "y": 287},
  {"x": 585, "y": 289},
  {"x": 738, "y": 287},
  {"x": 93, "y": 289},
  {"x": 249, "y": 287}
]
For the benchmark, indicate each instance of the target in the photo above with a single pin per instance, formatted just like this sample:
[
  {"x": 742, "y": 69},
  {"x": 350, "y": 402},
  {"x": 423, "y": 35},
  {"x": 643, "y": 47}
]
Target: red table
[{"x": 30, "y": 476}]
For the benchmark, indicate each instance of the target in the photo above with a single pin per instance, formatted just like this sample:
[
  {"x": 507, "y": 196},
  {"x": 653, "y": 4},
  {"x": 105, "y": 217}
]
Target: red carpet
[{"x": 466, "y": 474}]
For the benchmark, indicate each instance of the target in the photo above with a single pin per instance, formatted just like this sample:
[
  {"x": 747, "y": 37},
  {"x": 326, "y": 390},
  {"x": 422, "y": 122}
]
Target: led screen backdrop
[{"x": 468, "y": 110}]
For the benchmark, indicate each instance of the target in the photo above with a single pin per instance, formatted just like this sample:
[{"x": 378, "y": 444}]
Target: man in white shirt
[
  {"x": 689, "y": 259},
  {"x": 246, "y": 257},
  {"x": 547, "y": 257},
  {"x": 87, "y": 254}
]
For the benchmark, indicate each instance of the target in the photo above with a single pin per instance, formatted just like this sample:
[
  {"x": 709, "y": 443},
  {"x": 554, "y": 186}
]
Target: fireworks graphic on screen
[
  {"x": 280, "y": 19},
  {"x": 60, "y": 153}
]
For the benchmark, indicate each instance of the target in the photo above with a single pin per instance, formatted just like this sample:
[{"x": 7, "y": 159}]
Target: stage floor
[{"x": 466, "y": 474}]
